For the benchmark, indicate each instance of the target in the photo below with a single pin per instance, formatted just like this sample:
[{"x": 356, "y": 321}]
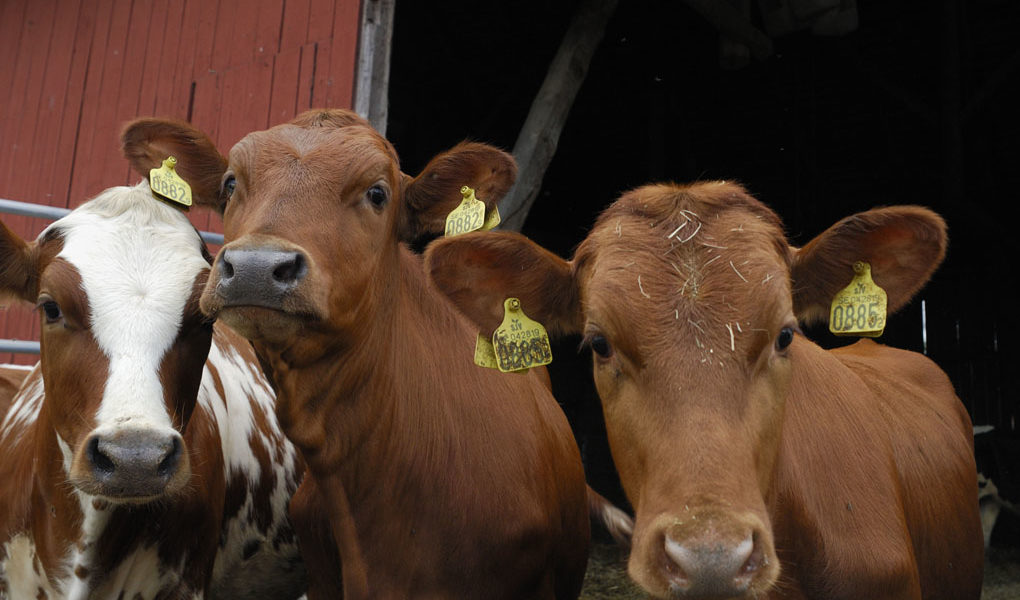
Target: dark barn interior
[{"x": 916, "y": 105}]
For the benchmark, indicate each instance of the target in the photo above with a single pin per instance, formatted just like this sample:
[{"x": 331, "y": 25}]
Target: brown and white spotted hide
[{"x": 141, "y": 457}]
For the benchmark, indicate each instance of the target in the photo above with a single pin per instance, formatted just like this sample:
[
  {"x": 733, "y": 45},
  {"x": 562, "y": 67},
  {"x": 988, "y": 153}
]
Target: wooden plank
[
  {"x": 24, "y": 114},
  {"x": 267, "y": 32},
  {"x": 138, "y": 41},
  {"x": 321, "y": 14},
  {"x": 64, "y": 150},
  {"x": 159, "y": 61},
  {"x": 241, "y": 43},
  {"x": 343, "y": 54},
  {"x": 43, "y": 188},
  {"x": 222, "y": 42},
  {"x": 294, "y": 29},
  {"x": 208, "y": 24},
  {"x": 284, "y": 94},
  {"x": 12, "y": 17},
  {"x": 92, "y": 100},
  {"x": 306, "y": 77}
]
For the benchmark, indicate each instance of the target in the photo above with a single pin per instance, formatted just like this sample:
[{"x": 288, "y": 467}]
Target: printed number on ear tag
[
  {"x": 168, "y": 185},
  {"x": 860, "y": 309},
  {"x": 468, "y": 216},
  {"x": 520, "y": 343}
]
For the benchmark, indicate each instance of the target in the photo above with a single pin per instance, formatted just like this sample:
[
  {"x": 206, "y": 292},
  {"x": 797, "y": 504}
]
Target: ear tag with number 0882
[
  {"x": 520, "y": 343},
  {"x": 168, "y": 185},
  {"x": 860, "y": 309},
  {"x": 470, "y": 215}
]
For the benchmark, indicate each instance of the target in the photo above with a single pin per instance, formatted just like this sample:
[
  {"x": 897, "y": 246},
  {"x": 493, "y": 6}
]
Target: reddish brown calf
[
  {"x": 438, "y": 478},
  {"x": 759, "y": 464}
]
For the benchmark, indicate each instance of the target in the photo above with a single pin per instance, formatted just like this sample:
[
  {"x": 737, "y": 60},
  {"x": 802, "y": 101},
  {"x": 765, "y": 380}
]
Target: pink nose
[{"x": 706, "y": 567}]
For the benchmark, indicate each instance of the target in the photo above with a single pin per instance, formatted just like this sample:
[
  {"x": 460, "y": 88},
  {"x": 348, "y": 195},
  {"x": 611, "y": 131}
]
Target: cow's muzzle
[
  {"x": 259, "y": 276},
  {"x": 131, "y": 464}
]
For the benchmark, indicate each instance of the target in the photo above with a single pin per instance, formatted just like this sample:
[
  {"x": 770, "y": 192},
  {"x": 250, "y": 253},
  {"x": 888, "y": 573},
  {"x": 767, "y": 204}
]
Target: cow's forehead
[
  {"x": 690, "y": 266},
  {"x": 320, "y": 151},
  {"x": 138, "y": 259}
]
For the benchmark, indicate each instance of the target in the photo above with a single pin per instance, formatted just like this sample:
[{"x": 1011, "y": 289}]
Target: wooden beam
[
  {"x": 538, "y": 138},
  {"x": 372, "y": 81}
]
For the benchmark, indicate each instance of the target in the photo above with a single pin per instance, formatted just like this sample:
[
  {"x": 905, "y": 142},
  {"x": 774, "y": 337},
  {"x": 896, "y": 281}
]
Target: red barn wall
[{"x": 72, "y": 72}]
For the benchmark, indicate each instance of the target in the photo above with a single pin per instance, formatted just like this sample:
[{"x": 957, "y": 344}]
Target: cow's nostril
[
  {"x": 168, "y": 466},
  {"x": 290, "y": 269},
  {"x": 100, "y": 461},
  {"x": 226, "y": 268}
]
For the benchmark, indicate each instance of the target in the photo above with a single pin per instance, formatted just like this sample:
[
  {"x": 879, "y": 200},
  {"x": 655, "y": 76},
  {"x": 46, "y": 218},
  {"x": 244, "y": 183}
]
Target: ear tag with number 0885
[
  {"x": 520, "y": 343},
  {"x": 168, "y": 185},
  {"x": 860, "y": 309}
]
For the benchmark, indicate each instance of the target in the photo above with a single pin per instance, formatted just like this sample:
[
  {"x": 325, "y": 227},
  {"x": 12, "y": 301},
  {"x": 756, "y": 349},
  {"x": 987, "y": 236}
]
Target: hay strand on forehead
[
  {"x": 734, "y": 267},
  {"x": 733, "y": 346},
  {"x": 641, "y": 288}
]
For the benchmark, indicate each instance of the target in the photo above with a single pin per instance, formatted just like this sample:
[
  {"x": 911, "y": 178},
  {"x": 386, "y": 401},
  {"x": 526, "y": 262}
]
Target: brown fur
[
  {"x": 438, "y": 478},
  {"x": 853, "y": 470}
]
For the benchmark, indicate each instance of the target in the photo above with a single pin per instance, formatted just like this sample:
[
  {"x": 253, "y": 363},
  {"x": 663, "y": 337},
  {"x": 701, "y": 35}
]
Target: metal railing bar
[{"x": 53, "y": 213}]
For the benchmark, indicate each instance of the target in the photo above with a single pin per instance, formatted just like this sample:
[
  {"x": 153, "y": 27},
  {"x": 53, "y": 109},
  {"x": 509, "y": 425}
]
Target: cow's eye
[
  {"x": 51, "y": 310},
  {"x": 600, "y": 345},
  {"x": 376, "y": 196},
  {"x": 785, "y": 338},
  {"x": 229, "y": 185}
]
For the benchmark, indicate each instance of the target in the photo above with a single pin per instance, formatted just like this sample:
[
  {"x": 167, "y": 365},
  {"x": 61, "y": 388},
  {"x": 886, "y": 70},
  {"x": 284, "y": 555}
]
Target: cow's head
[
  {"x": 116, "y": 284},
  {"x": 314, "y": 212},
  {"x": 689, "y": 298}
]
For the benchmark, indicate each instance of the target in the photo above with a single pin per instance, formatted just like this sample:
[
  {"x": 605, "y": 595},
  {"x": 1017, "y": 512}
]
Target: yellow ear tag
[
  {"x": 491, "y": 220},
  {"x": 485, "y": 354},
  {"x": 519, "y": 342},
  {"x": 168, "y": 185},
  {"x": 860, "y": 309},
  {"x": 468, "y": 216}
]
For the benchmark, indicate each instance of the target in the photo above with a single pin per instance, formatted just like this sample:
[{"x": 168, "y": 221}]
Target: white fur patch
[
  {"x": 25, "y": 409},
  {"x": 137, "y": 290},
  {"x": 246, "y": 391}
]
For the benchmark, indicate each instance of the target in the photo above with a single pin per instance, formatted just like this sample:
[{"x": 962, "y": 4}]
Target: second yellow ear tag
[
  {"x": 168, "y": 185},
  {"x": 485, "y": 354},
  {"x": 520, "y": 343},
  {"x": 860, "y": 309},
  {"x": 468, "y": 216}
]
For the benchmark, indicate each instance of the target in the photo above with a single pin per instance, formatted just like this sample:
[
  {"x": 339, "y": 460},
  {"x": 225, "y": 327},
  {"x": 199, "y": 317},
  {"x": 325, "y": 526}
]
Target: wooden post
[
  {"x": 372, "y": 81},
  {"x": 538, "y": 138}
]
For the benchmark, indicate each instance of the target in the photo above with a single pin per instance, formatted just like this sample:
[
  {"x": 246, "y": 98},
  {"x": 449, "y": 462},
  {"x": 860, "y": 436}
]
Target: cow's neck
[
  {"x": 374, "y": 414},
  {"x": 56, "y": 509}
]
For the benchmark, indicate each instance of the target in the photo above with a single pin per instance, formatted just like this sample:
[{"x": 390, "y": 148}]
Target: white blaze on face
[{"x": 138, "y": 259}]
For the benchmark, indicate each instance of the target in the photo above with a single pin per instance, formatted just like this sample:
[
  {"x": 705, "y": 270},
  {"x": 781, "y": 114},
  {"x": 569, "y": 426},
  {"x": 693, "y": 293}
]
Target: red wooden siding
[{"x": 72, "y": 72}]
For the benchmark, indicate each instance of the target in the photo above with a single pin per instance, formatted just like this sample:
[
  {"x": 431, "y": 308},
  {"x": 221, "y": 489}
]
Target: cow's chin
[{"x": 266, "y": 325}]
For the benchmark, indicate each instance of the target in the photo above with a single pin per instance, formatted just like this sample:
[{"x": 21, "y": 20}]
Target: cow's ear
[
  {"x": 903, "y": 244},
  {"x": 429, "y": 197},
  {"x": 18, "y": 266},
  {"x": 478, "y": 271},
  {"x": 146, "y": 142}
]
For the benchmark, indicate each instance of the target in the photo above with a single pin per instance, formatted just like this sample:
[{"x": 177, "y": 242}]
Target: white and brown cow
[
  {"x": 759, "y": 465},
  {"x": 141, "y": 457}
]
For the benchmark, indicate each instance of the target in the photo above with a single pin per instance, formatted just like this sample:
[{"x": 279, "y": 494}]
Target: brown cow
[
  {"x": 758, "y": 464},
  {"x": 438, "y": 478}
]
